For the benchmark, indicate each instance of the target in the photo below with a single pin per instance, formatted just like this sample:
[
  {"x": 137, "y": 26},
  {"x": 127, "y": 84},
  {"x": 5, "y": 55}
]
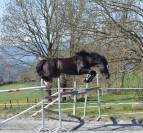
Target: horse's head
[
  {"x": 102, "y": 63},
  {"x": 94, "y": 59},
  {"x": 104, "y": 68}
]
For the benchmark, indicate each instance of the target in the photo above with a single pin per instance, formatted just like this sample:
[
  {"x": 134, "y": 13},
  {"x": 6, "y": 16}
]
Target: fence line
[
  {"x": 115, "y": 103},
  {"x": 104, "y": 89}
]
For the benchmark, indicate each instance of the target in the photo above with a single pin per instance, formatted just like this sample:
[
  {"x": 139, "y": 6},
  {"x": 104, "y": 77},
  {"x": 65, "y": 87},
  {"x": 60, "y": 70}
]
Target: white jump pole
[
  {"x": 98, "y": 98},
  {"x": 59, "y": 104},
  {"x": 97, "y": 80},
  {"x": 59, "y": 107},
  {"x": 85, "y": 101},
  {"x": 42, "y": 109},
  {"x": 60, "y": 128},
  {"x": 45, "y": 107},
  {"x": 99, "y": 105},
  {"x": 42, "y": 106},
  {"x": 75, "y": 100},
  {"x": 22, "y": 89}
]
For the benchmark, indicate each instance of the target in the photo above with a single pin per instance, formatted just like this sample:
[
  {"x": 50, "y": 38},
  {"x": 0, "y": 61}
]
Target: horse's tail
[{"x": 39, "y": 67}]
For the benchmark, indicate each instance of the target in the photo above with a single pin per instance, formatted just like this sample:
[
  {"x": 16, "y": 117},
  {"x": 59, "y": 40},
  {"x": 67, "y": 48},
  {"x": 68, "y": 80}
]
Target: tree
[
  {"x": 112, "y": 28},
  {"x": 125, "y": 17},
  {"x": 32, "y": 26}
]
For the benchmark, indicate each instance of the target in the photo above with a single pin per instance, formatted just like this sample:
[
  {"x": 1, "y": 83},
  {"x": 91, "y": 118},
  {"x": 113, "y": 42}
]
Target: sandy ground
[{"x": 25, "y": 125}]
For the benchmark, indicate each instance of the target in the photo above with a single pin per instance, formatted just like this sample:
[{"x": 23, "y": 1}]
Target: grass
[
  {"x": 132, "y": 80},
  {"x": 20, "y": 96},
  {"x": 17, "y": 85}
]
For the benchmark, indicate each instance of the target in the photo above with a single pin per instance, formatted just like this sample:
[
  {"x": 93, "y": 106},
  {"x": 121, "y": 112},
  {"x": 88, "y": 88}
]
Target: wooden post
[
  {"x": 5, "y": 106},
  {"x": 27, "y": 100},
  {"x": 10, "y": 104}
]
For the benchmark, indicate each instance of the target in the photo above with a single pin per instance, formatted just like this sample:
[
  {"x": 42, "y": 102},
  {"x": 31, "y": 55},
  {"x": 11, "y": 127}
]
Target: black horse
[{"x": 78, "y": 64}]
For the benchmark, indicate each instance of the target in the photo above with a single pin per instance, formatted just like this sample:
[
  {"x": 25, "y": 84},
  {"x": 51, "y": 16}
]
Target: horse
[{"x": 78, "y": 64}]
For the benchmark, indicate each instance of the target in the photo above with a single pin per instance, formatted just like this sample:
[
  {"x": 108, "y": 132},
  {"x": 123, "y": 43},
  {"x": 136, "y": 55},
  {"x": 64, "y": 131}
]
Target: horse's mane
[{"x": 82, "y": 53}]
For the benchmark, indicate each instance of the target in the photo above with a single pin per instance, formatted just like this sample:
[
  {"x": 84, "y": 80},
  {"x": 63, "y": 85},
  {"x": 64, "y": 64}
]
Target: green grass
[
  {"x": 132, "y": 80},
  {"x": 17, "y": 85},
  {"x": 20, "y": 96}
]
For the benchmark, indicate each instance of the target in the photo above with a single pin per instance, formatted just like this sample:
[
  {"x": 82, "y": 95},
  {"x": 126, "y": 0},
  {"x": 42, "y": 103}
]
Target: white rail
[
  {"x": 23, "y": 89},
  {"x": 121, "y": 89}
]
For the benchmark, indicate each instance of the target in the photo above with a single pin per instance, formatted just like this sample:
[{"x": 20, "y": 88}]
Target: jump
[{"x": 79, "y": 64}]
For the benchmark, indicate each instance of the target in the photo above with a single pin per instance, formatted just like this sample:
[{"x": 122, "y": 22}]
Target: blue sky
[{"x": 2, "y": 6}]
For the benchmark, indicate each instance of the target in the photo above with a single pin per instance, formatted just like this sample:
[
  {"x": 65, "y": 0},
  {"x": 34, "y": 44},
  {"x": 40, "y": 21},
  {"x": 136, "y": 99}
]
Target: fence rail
[
  {"x": 22, "y": 89},
  {"x": 115, "y": 103},
  {"x": 104, "y": 89}
]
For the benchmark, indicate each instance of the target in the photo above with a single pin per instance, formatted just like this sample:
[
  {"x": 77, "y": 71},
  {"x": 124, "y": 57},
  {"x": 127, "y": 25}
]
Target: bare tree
[
  {"x": 32, "y": 26},
  {"x": 127, "y": 16},
  {"x": 113, "y": 28}
]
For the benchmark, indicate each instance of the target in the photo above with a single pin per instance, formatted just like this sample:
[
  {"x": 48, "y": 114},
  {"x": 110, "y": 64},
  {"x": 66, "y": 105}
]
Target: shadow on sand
[{"x": 117, "y": 126}]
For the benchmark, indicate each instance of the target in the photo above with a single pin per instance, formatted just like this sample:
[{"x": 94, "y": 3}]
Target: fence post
[
  {"x": 99, "y": 105},
  {"x": 17, "y": 104},
  {"x": 98, "y": 99},
  {"x": 97, "y": 80},
  {"x": 85, "y": 101},
  {"x": 60, "y": 128},
  {"x": 75, "y": 98},
  {"x": 5, "y": 106},
  {"x": 10, "y": 101},
  {"x": 59, "y": 104},
  {"x": 42, "y": 108}
]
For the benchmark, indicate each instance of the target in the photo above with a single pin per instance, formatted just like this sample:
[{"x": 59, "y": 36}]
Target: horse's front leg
[{"x": 90, "y": 74}]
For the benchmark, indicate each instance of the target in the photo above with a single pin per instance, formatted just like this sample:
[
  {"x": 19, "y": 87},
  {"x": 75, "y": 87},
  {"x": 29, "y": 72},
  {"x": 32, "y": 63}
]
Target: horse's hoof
[
  {"x": 87, "y": 81},
  {"x": 93, "y": 73}
]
